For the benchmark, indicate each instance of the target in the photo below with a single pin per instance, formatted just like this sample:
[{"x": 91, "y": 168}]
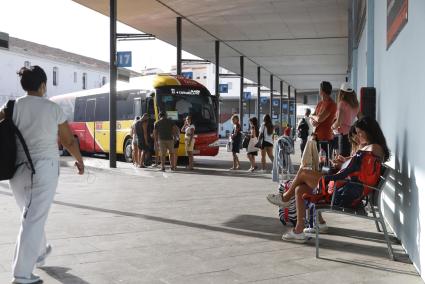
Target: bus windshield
[{"x": 179, "y": 102}]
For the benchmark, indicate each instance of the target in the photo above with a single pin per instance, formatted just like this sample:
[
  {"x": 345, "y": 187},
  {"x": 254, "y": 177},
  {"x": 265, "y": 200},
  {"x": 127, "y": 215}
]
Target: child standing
[{"x": 236, "y": 141}]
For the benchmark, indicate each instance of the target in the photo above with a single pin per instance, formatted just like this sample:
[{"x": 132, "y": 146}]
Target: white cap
[{"x": 346, "y": 87}]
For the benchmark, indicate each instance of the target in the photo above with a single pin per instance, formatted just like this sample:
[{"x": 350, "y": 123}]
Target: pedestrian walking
[
  {"x": 304, "y": 129},
  {"x": 266, "y": 138},
  {"x": 39, "y": 121},
  {"x": 189, "y": 139},
  {"x": 252, "y": 151},
  {"x": 236, "y": 137}
]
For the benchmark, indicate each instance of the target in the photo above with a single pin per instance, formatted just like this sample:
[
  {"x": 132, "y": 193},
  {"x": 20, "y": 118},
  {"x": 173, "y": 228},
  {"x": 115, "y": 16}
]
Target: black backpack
[
  {"x": 303, "y": 129},
  {"x": 8, "y": 147}
]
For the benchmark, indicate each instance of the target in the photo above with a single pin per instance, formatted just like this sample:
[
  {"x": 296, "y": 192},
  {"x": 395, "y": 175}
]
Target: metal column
[
  {"x": 289, "y": 98},
  {"x": 217, "y": 76},
  {"x": 217, "y": 68},
  {"x": 241, "y": 93},
  {"x": 280, "y": 106},
  {"x": 179, "y": 46},
  {"x": 295, "y": 108},
  {"x": 370, "y": 59},
  {"x": 113, "y": 84},
  {"x": 258, "y": 93},
  {"x": 271, "y": 97}
]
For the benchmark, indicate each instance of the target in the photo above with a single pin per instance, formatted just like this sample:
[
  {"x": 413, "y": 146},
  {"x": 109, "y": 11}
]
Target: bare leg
[
  {"x": 190, "y": 154},
  {"x": 162, "y": 161},
  {"x": 299, "y": 191},
  {"x": 263, "y": 159},
  {"x": 142, "y": 159},
  {"x": 238, "y": 164},
  {"x": 303, "y": 177},
  {"x": 269, "y": 151},
  {"x": 251, "y": 159}
]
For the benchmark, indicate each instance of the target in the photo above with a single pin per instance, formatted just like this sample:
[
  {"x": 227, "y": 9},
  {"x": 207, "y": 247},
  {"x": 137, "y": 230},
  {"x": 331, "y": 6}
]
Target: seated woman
[{"x": 370, "y": 138}]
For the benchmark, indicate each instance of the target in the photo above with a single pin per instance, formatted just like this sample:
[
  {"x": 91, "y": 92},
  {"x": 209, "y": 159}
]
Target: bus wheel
[{"x": 128, "y": 151}]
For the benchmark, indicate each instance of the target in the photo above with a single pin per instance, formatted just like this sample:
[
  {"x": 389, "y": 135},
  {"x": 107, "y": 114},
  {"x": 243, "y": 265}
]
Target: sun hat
[{"x": 346, "y": 87}]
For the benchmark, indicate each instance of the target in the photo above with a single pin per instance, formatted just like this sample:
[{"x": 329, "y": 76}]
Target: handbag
[
  {"x": 259, "y": 144},
  {"x": 251, "y": 145},
  {"x": 246, "y": 141},
  {"x": 229, "y": 145}
]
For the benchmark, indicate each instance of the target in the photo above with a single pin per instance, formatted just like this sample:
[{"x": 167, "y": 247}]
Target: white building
[{"x": 66, "y": 72}]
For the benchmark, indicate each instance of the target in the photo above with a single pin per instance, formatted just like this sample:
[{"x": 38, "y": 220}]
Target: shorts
[
  {"x": 266, "y": 144},
  {"x": 166, "y": 145},
  {"x": 253, "y": 153},
  {"x": 189, "y": 147},
  {"x": 144, "y": 147}
]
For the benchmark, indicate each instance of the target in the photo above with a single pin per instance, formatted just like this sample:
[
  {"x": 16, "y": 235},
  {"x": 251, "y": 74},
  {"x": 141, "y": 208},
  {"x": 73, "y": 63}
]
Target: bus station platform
[{"x": 211, "y": 225}]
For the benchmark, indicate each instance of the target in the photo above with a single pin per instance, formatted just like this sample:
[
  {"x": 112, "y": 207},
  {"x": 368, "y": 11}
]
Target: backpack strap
[
  {"x": 8, "y": 110},
  {"x": 9, "y": 114}
]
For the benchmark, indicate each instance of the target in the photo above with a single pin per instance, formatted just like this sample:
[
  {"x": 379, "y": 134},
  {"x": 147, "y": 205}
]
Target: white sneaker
[
  {"x": 33, "y": 279},
  {"x": 276, "y": 199},
  {"x": 323, "y": 229},
  {"x": 292, "y": 237},
  {"x": 42, "y": 258}
]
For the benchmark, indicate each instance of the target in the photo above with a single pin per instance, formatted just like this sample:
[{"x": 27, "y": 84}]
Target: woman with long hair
[
  {"x": 347, "y": 110},
  {"x": 254, "y": 133},
  {"x": 266, "y": 132},
  {"x": 369, "y": 136}
]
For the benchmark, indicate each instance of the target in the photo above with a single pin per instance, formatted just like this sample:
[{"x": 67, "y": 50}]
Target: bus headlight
[{"x": 214, "y": 144}]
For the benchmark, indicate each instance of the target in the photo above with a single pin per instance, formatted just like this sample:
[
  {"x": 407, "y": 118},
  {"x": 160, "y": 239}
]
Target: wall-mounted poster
[{"x": 396, "y": 19}]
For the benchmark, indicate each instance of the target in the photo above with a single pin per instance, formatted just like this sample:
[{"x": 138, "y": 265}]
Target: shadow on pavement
[
  {"x": 252, "y": 226},
  {"x": 368, "y": 264},
  {"x": 62, "y": 275}
]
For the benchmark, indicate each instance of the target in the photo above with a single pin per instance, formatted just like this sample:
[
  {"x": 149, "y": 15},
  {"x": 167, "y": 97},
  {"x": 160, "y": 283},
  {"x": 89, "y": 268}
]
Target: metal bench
[{"x": 374, "y": 203}]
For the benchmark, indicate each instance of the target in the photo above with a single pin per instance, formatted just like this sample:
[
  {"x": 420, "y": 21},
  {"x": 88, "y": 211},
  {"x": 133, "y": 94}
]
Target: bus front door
[{"x": 90, "y": 135}]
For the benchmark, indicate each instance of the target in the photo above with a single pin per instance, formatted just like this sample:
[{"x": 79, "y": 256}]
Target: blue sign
[
  {"x": 188, "y": 75},
  {"x": 247, "y": 95},
  {"x": 263, "y": 100},
  {"x": 124, "y": 59},
  {"x": 276, "y": 102},
  {"x": 284, "y": 106},
  {"x": 223, "y": 88}
]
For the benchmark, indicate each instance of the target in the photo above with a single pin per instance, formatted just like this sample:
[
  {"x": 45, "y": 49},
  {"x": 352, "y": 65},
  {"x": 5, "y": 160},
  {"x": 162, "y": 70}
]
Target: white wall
[
  {"x": 361, "y": 61},
  {"x": 400, "y": 79},
  {"x": 11, "y": 62}
]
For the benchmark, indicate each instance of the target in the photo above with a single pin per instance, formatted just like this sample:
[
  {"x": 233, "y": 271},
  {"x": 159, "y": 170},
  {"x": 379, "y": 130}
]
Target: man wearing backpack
[{"x": 304, "y": 129}]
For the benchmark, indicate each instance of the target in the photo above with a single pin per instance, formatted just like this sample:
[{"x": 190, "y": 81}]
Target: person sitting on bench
[{"x": 370, "y": 138}]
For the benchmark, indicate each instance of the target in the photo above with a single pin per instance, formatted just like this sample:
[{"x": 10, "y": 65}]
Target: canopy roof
[{"x": 299, "y": 42}]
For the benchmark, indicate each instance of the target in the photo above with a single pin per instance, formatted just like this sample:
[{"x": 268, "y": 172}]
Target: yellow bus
[{"x": 88, "y": 112}]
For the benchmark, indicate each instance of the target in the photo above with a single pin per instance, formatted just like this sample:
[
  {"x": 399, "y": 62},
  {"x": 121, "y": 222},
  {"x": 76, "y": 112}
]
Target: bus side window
[
  {"x": 125, "y": 106},
  {"x": 138, "y": 107},
  {"x": 80, "y": 109},
  {"x": 90, "y": 109},
  {"x": 102, "y": 108},
  {"x": 150, "y": 107}
]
